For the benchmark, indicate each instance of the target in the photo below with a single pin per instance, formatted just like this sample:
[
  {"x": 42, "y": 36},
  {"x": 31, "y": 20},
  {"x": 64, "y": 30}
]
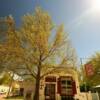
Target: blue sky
[{"x": 82, "y": 23}]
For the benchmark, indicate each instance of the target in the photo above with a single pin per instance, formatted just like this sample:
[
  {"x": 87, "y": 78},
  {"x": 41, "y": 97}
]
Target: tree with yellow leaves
[
  {"x": 38, "y": 47},
  {"x": 42, "y": 50}
]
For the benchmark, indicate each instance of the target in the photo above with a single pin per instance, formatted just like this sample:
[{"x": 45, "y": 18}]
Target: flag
[{"x": 89, "y": 69}]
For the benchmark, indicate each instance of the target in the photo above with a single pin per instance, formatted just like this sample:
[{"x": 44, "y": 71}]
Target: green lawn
[{"x": 14, "y": 98}]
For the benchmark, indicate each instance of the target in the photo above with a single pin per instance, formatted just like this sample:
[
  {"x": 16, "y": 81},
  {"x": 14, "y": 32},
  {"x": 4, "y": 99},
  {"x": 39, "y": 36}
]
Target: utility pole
[{"x": 81, "y": 60}]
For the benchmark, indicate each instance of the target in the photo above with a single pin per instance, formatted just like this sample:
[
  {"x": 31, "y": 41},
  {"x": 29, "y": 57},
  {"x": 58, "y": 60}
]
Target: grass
[{"x": 14, "y": 98}]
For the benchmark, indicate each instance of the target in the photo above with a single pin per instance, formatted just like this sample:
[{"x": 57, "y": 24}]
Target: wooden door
[{"x": 50, "y": 92}]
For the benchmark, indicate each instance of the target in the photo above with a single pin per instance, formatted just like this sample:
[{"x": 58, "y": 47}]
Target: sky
[{"x": 81, "y": 19}]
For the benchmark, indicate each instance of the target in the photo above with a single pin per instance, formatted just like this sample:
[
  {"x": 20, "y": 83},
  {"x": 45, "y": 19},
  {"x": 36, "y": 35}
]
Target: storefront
[
  {"x": 60, "y": 85},
  {"x": 65, "y": 86}
]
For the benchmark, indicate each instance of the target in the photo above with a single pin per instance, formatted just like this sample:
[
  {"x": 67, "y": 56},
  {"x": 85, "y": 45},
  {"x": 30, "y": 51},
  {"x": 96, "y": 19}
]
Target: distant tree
[
  {"x": 35, "y": 48},
  {"x": 95, "y": 63},
  {"x": 85, "y": 87},
  {"x": 10, "y": 48},
  {"x": 5, "y": 79}
]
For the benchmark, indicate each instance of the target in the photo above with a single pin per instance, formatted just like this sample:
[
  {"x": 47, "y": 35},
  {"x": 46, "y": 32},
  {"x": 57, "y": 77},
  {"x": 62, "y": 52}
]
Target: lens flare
[{"x": 95, "y": 5}]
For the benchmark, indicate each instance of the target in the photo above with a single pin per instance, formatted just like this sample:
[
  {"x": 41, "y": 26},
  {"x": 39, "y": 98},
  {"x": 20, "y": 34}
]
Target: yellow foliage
[{"x": 31, "y": 43}]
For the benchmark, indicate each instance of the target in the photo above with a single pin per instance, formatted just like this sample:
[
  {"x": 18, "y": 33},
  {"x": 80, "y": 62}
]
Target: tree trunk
[
  {"x": 36, "y": 95},
  {"x": 10, "y": 85}
]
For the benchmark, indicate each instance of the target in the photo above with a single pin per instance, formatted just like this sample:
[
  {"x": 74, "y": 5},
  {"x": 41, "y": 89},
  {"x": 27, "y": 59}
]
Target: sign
[{"x": 89, "y": 69}]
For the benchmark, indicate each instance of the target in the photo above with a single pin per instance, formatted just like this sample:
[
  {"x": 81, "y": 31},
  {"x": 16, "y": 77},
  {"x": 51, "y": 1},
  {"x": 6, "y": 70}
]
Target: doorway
[{"x": 50, "y": 92}]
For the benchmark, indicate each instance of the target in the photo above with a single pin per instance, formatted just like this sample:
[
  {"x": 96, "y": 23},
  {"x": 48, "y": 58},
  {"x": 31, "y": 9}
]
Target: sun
[{"x": 95, "y": 5}]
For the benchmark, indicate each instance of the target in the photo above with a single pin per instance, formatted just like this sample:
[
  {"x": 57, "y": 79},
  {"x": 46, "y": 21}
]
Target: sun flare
[{"x": 96, "y": 5}]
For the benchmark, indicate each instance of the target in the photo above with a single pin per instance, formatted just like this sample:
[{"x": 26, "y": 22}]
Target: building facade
[{"x": 62, "y": 84}]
